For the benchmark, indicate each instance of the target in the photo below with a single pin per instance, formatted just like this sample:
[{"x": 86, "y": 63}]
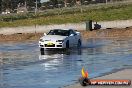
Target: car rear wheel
[
  {"x": 67, "y": 44},
  {"x": 79, "y": 44}
]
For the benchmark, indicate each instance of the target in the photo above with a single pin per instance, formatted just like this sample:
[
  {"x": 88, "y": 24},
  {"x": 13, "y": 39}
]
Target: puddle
[{"x": 23, "y": 66}]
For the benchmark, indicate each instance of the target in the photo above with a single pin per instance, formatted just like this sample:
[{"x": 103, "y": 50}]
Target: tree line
[
  {"x": 69, "y": 3},
  {"x": 12, "y": 5}
]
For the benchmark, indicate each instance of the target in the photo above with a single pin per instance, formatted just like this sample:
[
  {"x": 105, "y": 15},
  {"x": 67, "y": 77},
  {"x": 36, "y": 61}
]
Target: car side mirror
[
  {"x": 77, "y": 32},
  {"x": 45, "y": 34},
  {"x": 71, "y": 34}
]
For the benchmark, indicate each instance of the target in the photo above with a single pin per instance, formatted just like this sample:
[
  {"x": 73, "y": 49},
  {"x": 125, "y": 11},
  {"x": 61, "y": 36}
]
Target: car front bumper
[{"x": 51, "y": 45}]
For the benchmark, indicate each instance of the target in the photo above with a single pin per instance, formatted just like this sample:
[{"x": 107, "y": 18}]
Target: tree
[
  {"x": 78, "y": 2},
  {"x": 54, "y": 2},
  {"x": 6, "y": 4},
  {"x": 65, "y": 2},
  {"x": 0, "y": 6},
  {"x": 32, "y": 3},
  {"x": 11, "y": 5}
]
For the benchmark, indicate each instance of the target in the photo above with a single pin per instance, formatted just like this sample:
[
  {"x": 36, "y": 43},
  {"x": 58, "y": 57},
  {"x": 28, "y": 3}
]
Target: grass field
[{"x": 97, "y": 12}]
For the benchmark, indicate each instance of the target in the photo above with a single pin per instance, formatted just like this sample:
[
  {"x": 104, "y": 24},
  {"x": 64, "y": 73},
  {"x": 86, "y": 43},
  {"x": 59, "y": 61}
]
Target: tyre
[
  {"x": 79, "y": 44},
  {"x": 84, "y": 81},
  {"x": 41, "y": 49},
  {"x": 67, "y": 44}
]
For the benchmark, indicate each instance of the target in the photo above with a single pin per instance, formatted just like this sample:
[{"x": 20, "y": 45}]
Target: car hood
[{"x": 53, "y": 37}]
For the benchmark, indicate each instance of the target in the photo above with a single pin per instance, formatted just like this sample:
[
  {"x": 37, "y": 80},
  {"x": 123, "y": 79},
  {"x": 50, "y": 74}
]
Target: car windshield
[{"x": 59, "y": 32}]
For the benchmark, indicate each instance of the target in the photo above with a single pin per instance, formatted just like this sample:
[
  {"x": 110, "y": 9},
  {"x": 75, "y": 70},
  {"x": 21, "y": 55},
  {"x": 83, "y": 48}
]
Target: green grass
[{"x": 71, "y": 15}]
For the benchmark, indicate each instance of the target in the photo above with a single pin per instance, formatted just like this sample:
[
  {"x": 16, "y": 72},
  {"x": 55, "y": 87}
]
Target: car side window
[
  {"x": 72, "y": 32},
  {"x": 51, "y": 32},
  {"x": 67, "y": 33}
]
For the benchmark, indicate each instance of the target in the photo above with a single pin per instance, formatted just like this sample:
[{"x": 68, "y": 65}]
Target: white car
[{"x": 60, "y": 38}]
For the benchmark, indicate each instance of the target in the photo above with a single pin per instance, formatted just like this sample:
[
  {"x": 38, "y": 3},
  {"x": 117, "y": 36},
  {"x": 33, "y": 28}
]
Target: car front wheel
[
  {"x": 41, "y": 49},
  {"x": 67, "y": 44},
  {"x": 79, "y": 44}
]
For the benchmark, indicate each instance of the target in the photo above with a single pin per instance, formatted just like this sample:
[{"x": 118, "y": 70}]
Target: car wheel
[
  {"x": 79, "y": 43},
  {"x": 67, "y": 44},
  {"x": 41, "y": 49}
]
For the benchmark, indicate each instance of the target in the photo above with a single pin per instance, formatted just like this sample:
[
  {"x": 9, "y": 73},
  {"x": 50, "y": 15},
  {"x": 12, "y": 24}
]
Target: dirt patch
[
  {"x": 20, "y": 37},
  {"x": 103, "y": 33},
  {"x": 108, "y": 33}
]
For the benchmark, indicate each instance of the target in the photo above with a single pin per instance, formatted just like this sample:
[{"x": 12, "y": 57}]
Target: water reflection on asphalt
[{"x": 23, "y": 66}]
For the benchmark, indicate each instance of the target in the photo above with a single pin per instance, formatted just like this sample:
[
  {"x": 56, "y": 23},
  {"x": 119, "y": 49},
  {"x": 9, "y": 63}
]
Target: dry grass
[
  {"x": 20, "y": 37},
  {"x": 105, "y": 33}
]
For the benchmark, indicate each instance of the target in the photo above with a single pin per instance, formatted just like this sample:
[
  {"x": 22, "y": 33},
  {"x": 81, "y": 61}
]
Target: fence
[{"x": 78, "y": 26}]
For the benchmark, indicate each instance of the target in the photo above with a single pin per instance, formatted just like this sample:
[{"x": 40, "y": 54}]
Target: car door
[
  {"x": 72, "y": 38},
  {"x": 76, "y": 38}
]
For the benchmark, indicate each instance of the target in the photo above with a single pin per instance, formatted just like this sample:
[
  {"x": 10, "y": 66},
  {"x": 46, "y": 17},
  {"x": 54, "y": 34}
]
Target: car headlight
[
  {"x": 41, "y": 40},
  {"x": 60, "y": 41}
]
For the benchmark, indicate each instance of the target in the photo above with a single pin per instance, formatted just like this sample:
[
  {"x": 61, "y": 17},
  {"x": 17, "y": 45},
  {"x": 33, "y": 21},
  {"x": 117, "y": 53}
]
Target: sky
[{"x": 44, "y": 0}]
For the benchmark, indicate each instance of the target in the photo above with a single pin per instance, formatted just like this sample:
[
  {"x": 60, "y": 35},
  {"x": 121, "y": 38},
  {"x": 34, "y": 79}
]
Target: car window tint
[
  {"x": 72, "y": 32},
  {"x": 51, "y": 32},
  {"x": 59, "y": 32}
]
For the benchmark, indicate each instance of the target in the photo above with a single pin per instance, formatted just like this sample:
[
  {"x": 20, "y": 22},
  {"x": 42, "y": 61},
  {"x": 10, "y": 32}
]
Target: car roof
[{"x": 62, "y": 29}]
